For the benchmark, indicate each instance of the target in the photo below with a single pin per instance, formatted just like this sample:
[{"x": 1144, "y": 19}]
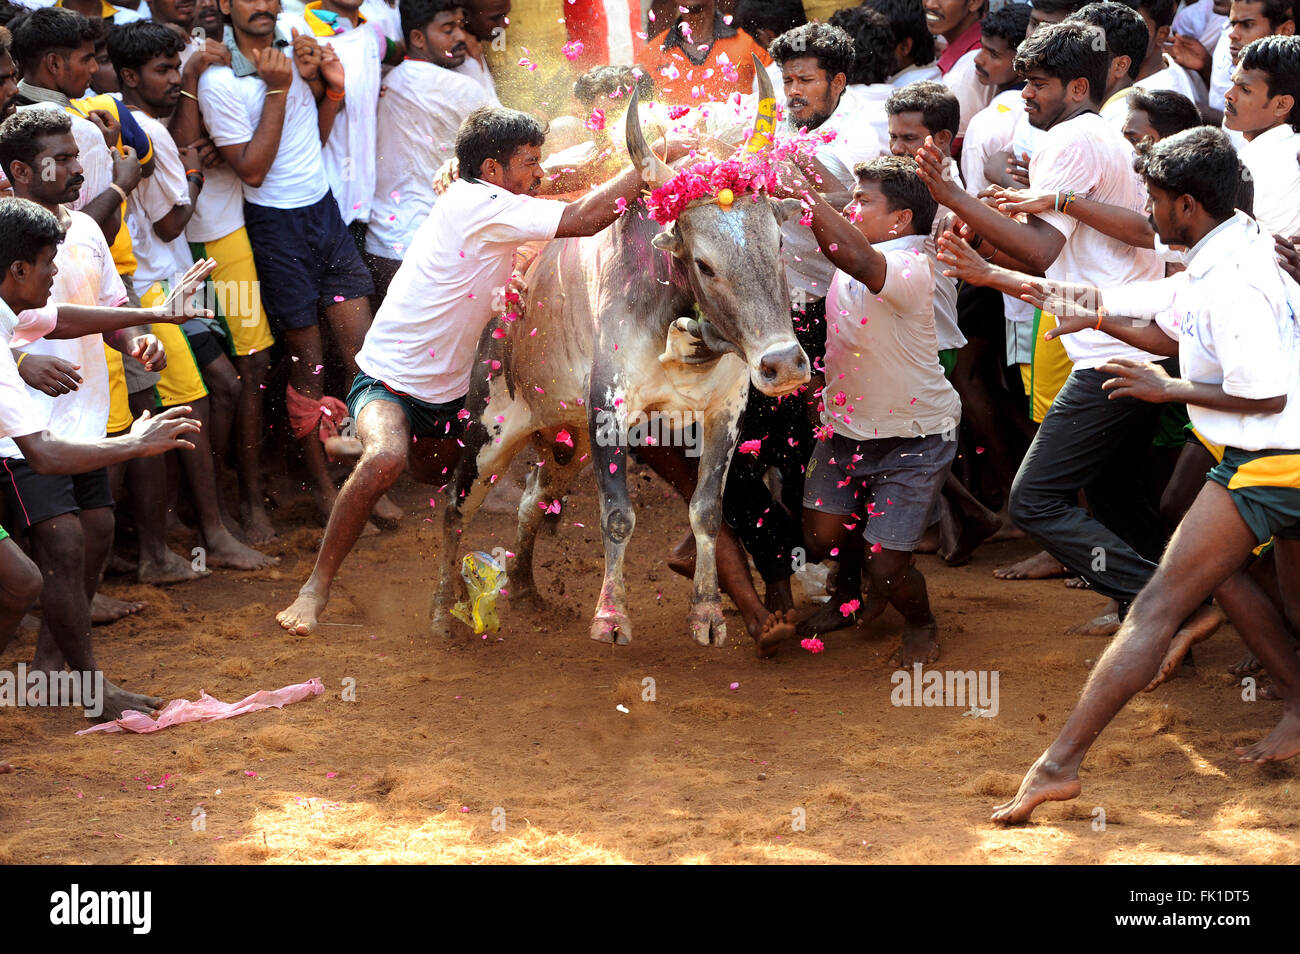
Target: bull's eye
[{"x": 703, "y": 266}]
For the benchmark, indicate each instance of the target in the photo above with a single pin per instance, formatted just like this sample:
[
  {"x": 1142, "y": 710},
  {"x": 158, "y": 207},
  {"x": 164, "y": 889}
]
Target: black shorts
[
  {"x": 33, "y": 498},
  {"x": 206, "y": 346},
  {"x": 306, "y": 260}
]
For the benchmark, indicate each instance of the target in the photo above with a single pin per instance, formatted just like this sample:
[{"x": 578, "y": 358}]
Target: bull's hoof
[
  {"x": 611, "y": 628},
  {"x": 708, "y": 627},
  {"x": 529, "y": 599},
  {"x": 444, "y": 626}
]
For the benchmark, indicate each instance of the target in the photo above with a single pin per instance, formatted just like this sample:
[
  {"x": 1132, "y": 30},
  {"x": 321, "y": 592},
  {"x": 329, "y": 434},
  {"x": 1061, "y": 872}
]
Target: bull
[{"x": 610, "y": 346}]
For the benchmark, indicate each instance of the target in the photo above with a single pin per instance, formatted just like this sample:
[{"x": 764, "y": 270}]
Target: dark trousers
[
  {"x": 1089, "y": 442},
  {"x": 763, "y": 525}
]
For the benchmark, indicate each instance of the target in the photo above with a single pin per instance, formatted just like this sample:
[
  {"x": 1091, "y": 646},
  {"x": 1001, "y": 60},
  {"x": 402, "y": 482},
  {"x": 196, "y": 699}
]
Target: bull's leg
[
  {"x": 488, "y": 452},
  {"x": 617, "y": 519},
  {"x": 546, "y": 485},
  {"x": 718, "y": 433}
]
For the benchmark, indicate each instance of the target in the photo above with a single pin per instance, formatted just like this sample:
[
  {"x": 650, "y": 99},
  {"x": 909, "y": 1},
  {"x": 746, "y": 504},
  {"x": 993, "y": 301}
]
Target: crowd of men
[{"x": 1044, "y": 276}]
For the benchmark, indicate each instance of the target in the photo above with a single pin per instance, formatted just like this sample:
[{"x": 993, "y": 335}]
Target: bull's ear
[
  {"x": 784, "y": 208},
  {"x": 668, "y": 241}
]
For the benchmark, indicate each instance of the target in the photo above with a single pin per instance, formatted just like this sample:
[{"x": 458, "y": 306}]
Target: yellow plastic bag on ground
[{"x": 485, "y": 578}]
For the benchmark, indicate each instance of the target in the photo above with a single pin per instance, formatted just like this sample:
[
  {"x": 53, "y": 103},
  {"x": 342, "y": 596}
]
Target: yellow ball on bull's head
[{"x": 725, "y": 198}]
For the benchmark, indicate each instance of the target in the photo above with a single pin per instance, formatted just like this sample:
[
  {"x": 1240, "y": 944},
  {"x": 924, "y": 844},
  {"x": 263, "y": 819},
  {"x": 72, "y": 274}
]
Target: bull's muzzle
[{"x": 781, "y": 369}]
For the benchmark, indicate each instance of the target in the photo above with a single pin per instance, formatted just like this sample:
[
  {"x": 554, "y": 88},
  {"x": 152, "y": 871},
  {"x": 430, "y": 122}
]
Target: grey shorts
[
  {"x": 137, "y": 378},
  {"x": 892, "y": 481}
]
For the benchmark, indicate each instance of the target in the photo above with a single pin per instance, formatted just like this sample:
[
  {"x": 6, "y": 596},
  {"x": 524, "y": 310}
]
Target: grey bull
[{"x": 610, "y": 347}]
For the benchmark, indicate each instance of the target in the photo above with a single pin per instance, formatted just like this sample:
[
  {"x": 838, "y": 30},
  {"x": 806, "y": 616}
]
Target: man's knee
[
  {"x": 22, "y": 583},
  {"x": 60, "y": 546},
  {"x": 382, "y": 465},
  {"x": 98, "y": 524}
]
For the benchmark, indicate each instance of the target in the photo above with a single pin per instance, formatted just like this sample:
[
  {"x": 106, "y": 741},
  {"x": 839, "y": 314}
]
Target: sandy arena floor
[{"x": 445, "y": 738}]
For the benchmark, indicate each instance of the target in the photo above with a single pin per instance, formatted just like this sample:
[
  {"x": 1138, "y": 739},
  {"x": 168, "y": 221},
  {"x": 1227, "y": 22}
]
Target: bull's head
[{"x": 732, "y": 259}]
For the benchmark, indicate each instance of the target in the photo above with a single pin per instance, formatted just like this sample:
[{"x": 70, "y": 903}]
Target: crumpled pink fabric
[
  {"x": 307, "y": 415},
  {"x": 208, "y": 709}
]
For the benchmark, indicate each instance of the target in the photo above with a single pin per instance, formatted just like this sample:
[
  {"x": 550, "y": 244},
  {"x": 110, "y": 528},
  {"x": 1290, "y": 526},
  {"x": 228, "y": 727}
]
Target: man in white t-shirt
[
  {"x": 425, "y": 100},
  {"x": 1263, "y": 104},
  {"x": 889, "y": 418},
  {"x": 408, "y": 399},
  {"x": 958, "y": 22},
  {"x": 268, "y": 113},
  {"x": 1232, "y": 319},
  {"x": 1159, "y": 70},
  {"x": 53, "y": 457},
  {"x": 873, "y": 63},
  {"x": 1085, "y": 439},
  {"x": 1201, "y": 20}
]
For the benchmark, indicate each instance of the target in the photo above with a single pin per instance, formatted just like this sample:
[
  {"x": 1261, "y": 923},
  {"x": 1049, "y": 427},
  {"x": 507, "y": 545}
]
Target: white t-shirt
[
  {"x": 349, "y": 153},
  {"x": 1236, "y": 317},
  {"x": 153, "y": 199},
  {"x": 1087, "y": 155},
  {"x": 483, "y": 76},
  {"x": 219, "y": 210},
  {"x": 1271, "y": 159},
  {"x": 870, "y": 98},
  {"x": 1199, "y": 21},
  {"x": 1220, "y": 71},
  {"x": 19, "y": 414},
  {"x": 387, "y": 17},
  {"x": 86, "y": 276},
  {"x": 990, "y": 130},
  {"x": 423, "y": 339},
  {"x": 915, "y": 74},
  {"x": 1178, "y": 80},
  {"x": 232, "y": 108},
  {"x": 972, "y": 95},
  {"x": 807, "y": 270},
  {"x": 881, "y": 352},
  {"x": 419, "y": 116}
]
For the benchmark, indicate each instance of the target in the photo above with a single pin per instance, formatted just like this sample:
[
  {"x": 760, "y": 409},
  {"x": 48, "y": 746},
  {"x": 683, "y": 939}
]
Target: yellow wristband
[
  {"x": 119, "y": 190},
  {"x": 190, "y": 95},
  {"x": 21, "y": 355},
  {"x": 272, "y": 92}
]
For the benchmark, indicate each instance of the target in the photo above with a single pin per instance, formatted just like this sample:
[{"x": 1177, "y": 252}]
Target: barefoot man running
[{"x": 1232, "y": 319}]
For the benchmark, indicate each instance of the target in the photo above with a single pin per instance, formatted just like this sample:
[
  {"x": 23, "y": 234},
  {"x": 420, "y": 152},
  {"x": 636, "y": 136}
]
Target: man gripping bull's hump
[{"x": 408, "y": 401}]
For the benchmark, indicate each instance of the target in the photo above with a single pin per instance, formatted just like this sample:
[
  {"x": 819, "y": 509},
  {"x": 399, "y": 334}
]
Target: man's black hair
[
  {"x": 418, "y": 14},
  {"x": 902, "y": 188},
  {"x": 1161, "y": 12},
  {"x": 1126, "y": 31},
  {"x": 1278, "y": 57},
  {"x": 1277, "y": 12},
  {"x": 48, "y": 30},
  {"x": 1010, "y": 22},
  {"x": 936, "y": 103},
  {"x": 873, "y": 44},
  {"x": 493, "y": 132},
  {"x": 830, "y": 46},
  {"x": 132, "y": 45},
  {"x": 778, "y": 16},
  {"x": 1167, "y": 111},
  {"x": 907, "y": 20},
  {"x": 25, "y": 230},
  {"x": 1067, "y": 51},
  {"x": 22, "y": 135},
  {"x": 1199, "y": 162}
]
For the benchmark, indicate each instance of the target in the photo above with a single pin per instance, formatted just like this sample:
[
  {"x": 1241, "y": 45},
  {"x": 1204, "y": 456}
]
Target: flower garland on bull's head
[{"x": 750, "y": 170}]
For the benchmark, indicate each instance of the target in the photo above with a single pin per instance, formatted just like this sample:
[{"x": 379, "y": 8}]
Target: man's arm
[
  {"x": 1149, "y": 382},
  {"x": 600, "y": 207},
  {"x": 186, "y": 123},
  {"x": 172, "y": 225},
  {"x": 1034, "y": 242},
  {"x": 78, "y": 320},
  {"x": 1128, "y": 226},
  {"x": 330, "y": 100},
  {"x": 149, "y": 435},
  {"x": 252, "y": 160}
]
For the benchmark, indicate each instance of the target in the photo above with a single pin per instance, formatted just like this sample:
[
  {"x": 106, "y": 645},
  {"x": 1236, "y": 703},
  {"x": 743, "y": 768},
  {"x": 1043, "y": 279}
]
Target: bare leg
[
  {"x": 224, "y": 392},
  {"x": 827, "y": 538},
  {"x": 1269, "y": 637},
  {"x": 306, "y": 355},
  {"x": 1040, "y": 566},
  {"x": 20, "y": 585},
  {"x": 386, "y": 435},
  {"x": 252, "y": 371},
  {"x": 1208, "y": 547}
]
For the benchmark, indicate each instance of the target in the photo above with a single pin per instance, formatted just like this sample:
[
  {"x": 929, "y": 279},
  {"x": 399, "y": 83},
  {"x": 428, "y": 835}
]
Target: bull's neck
[{"x": 649, "y": 272}]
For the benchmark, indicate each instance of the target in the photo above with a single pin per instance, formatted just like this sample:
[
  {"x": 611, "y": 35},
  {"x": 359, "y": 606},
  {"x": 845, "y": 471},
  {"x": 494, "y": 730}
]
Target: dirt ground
[{"x": 446, "y": 738}]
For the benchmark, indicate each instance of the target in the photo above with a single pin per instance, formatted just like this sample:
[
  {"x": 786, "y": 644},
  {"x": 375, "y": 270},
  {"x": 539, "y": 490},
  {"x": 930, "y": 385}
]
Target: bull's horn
[
  {"x": 765, "y": 120},
  {"x": 654, "y": 171}
]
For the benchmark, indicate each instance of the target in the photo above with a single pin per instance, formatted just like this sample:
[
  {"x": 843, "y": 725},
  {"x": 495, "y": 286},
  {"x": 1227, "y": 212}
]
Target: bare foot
[
  {"x": 1040, "y": 566},
  {"x": 1078, "y": 583},
  {"x": 1105, "y": 623},
  {"x": 117, "y": 701},
  {"x": 5, "y": 767},
  {"x": 1044, "y": 782},
  {"x": 920, "y": 645},
  {"x": 119, "y": 565},
  {"x": 778, "y": 597},
  {"x": 1280, "y": 744},
  {"x": 385, "y": 510},
  {"x": 1248, "y": 665},
  {"x": 173, "y": 569},
  {"x": 1200, "y": 626},
  {"x": 830, "y": 616},
  {"x": 256, "y": 525},
  {"x": 776, "y": 630},
  {"x": 971, "y": 532},
  {"x": 225, "y": 551},
  {"x": 105, "y": 609},
  {"x": 302, "y": 618}
]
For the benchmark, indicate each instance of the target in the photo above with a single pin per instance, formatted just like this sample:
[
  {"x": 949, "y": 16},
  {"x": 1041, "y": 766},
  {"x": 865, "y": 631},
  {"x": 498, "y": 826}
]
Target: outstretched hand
[
  {"x": 180, "y": 304},
  {"x": 1075, "y": 306},
  {"x": 963, "y": 262},
  {"x": 1144, "y": 380},
  {"x": 932, "y": 166},
  {"x": 160, "y": 433}
]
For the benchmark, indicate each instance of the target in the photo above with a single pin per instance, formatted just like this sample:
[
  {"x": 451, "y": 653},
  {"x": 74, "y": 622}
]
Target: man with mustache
[
  {"x": 269, "y": 113},
  {"x": 426, "y": 98},
  {"x": 1248, "y": 20},
  {"x": 1263, "y": 104}
]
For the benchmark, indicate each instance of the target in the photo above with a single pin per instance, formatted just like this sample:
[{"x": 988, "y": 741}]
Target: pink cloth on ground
[{"x": 207, "y": 709}]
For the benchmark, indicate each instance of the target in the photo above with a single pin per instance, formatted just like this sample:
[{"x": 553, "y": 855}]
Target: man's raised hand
[
  {"x": 49, "y": 375},
  {"x": 158, "y": 434},
  {"x": 1075, "y": 306},
  {"x": 274, "y": 68},
  {"x": 932, "y": 166},
  {"x": 962, "y": 262},
  {"x": 149, "y": 351},
  {"x": 179, "y": 304}
]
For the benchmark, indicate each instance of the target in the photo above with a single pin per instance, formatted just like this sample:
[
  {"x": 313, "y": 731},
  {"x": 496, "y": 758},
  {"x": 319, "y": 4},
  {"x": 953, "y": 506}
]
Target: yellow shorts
[
  {"x": 181, "y": 380},
  {"x": 1050, "y": 368},
  {"x": 238, "y": 299},
  {"x": 1216, "y": 450},
  {"x": 119, "y": 410}
]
